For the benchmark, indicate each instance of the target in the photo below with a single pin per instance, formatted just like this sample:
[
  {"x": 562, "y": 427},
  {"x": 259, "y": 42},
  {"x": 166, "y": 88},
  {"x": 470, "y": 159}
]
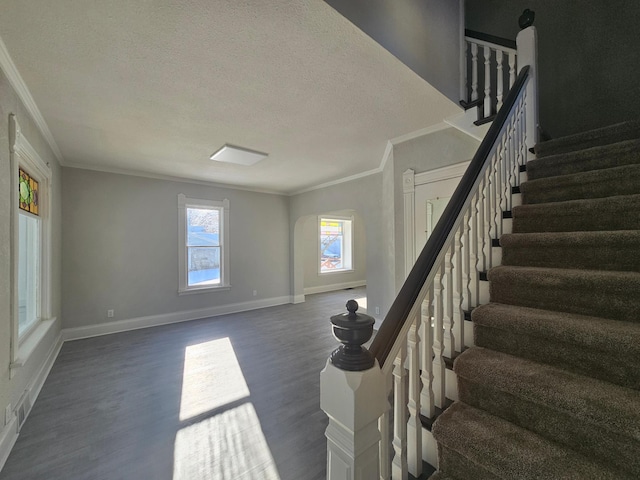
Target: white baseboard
[
  {"x": 9, "y": 433},
  {"x": 166, "y": 318},
  {"x": 334, "y": 287},
  {"x": 295, "y": 299},
  {"x": 8, "y": 437},
  {"x": 36, "y": 384}
]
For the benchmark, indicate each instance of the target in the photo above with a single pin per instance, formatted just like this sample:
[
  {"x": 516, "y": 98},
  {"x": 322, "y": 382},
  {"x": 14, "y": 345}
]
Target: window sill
[
  {"x": 333, "y": 272},
  {"x": 190, "y": 291},
  {"x": 29, "y": 344}
]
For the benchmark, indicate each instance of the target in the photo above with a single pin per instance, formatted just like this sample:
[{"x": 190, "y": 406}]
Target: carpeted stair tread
[
  {"x": 487, "y": 447},
  {"x": 590, "y": 416},
  {"x": 600, "y": 348},
  {"x": 621, "y": 212},
  {"x": 602, "y": 250},
  {"x": 592, "y": 138},
  {"x": 624, "y": 180},
  {"x": 596, "y": 158},
  {"x": 605, "y": 294},
  {"x": 441, "y": 476}
]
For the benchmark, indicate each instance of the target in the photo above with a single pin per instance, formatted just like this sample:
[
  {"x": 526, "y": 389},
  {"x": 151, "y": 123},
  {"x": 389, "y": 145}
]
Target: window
[
  {"x": 203, "y": 245},
  {"x": 335, "y": 244},
  {"x": 31, "y": 245}
]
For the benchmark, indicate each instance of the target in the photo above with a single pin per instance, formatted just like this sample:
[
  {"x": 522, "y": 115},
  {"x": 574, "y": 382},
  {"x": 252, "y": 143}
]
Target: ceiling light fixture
[{"x": 238, "y": 155}]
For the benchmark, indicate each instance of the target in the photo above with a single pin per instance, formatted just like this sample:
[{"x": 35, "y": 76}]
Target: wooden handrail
[
  {"x": 399, "y": 312},
  {"x": 485, "y": 37}
]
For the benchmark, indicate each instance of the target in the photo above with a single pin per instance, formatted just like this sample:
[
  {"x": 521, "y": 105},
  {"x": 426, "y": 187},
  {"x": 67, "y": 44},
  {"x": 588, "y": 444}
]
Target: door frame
[{"x": 411, "y": 180}]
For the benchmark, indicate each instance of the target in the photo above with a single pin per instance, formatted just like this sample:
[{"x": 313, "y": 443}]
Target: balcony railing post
[{"x": 353, "y": 395}]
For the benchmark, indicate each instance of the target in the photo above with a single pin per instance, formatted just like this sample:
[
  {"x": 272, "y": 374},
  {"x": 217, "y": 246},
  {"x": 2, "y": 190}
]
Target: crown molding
[{"x": 15, "y": 79}]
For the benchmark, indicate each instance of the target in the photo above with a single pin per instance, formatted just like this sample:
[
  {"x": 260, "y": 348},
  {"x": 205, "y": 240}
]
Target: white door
[{"x": 431, "y": 200}]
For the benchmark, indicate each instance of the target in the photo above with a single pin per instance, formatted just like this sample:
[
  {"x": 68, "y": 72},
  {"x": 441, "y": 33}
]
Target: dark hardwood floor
[{"x": 231, "y": 397}]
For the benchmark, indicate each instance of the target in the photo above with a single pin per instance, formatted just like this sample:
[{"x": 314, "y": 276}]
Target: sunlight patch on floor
[
  {"x": 227, "y": 446},
  {"x": 212, "y": 378}
]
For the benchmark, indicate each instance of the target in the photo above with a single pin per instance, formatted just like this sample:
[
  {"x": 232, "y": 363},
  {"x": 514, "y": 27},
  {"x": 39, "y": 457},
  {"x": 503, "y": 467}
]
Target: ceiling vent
[{"x": 238, "y": 155}]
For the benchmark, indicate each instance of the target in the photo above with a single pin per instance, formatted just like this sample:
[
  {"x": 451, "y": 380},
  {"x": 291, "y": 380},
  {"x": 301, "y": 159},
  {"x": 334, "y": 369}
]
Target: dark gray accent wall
[
  {"x": 423, "y": 34},
  {"x": 588, "y": 57}
]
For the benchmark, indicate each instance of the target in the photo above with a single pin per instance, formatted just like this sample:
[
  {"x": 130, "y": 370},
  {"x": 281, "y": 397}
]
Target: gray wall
[
  {"x": 589, "y": 57},
  {"x": 12, "y": 388},
  {"x": 422, "y": 154},
  {"x": 423, "y": 34},
  {"x": 121, "y": 247},
  {"x": 312, "y": 279},
  {"x": 363, "y": 197}
]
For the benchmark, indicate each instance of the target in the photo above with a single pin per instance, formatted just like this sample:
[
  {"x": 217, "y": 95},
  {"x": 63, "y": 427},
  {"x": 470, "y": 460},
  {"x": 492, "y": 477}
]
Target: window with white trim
[
  {"x": 31, "y": 242},
  {"x": 335, "y": 244},
  {"x": 203, "y": 246}
]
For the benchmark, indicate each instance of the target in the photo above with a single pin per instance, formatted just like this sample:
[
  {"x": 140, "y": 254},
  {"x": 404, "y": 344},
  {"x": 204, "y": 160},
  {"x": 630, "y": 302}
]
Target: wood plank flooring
[{"x": 227, "y": 398}]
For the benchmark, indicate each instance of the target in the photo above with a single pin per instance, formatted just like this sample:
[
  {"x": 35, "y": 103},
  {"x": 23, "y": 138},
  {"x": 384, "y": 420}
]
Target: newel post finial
[
  {"x": 353, "y": 330},
  {"x": 353, "y": 394}
]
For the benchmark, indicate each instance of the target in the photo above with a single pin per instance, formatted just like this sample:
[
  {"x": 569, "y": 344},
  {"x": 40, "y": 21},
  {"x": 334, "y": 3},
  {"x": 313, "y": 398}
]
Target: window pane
[
  {"x": 28, "y": 271},
  {"x": 331, "y": 245},
  {"x": 203, "y": 266},
  {"x": 203, "y": 227},
  {"x": 28, "y": 192}
]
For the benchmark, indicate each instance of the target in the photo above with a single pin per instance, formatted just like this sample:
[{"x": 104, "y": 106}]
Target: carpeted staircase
[{"x": 552, "y": 388}]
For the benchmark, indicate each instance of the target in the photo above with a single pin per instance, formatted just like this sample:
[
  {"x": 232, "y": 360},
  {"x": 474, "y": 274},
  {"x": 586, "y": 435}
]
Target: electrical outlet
[
  {"x": 377, "y": 310},
  {"x": 255, "y": 292},
  {"x": 110, "y": 313},
  {"x": 7, "y": 414}
]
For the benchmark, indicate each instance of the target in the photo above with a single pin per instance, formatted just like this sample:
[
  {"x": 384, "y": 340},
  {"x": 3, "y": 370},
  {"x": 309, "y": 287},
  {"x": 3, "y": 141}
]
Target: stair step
[
  {"x": 621, "y": 212},
  {"x": 589, "y": 416},
  {"x": 605, "y": 294},
  {"x": 593, "y": 138},
  {"x": 596, "y": 158},
  {"x": 441, "y": 476},
  {"x": 605, "y": 250},
  {"x": 474, "y": 444},
  {"x": 624, "y": 180},
  {"x": 600, "y": 348}
]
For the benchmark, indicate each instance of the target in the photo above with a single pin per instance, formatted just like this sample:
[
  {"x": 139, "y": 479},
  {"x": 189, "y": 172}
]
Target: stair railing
[
  {"x": 424, "y": 328},
  {"x": 486, "y": 89}
]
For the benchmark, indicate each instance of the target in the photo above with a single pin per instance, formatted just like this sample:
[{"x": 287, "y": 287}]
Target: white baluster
[
  {"x": 474, "y": 71},
  {"x": 480, "y": 230},
  {"x": 499, "y": 78},
  {"x": 439, "y": 366},
  {"x": 487, "y": 81},
  {"x": 512, "y": 69},
  {"x": 458, "y": 314},
  {"x": 427, "y": 406},
  {"x": 385, "y": 439},
  {"x": 449, "y": 340},
  {"x": 399, "y": 469},
  {"x": 414, "y": 426},
  {"x": 497, "y": 175},
  {"x": 488, "y": 196},
  {"x": 473, "y": 252}
]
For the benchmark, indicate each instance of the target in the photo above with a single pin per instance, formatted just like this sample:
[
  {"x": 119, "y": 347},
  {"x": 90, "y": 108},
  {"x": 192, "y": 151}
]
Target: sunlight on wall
[
  {"x": 212, "y": 378},
  {"x": 227, "y": 446}
]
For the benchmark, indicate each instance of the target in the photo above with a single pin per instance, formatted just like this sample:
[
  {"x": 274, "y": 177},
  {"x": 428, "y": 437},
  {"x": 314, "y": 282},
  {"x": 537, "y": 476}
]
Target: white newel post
[
  {"x": 527, "y": 42},
  {"x": 353, "y": 394}
]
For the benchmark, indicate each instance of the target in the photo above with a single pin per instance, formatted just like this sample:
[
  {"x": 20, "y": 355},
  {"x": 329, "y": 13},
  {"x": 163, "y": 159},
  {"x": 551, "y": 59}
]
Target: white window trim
[
  {"x": 351, "y": 240},
  {"x": 183, "y": 203},
  {"x": 23, "y": 154}
]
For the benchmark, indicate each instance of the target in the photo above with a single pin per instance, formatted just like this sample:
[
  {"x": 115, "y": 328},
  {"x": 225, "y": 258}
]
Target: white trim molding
[
  {"x": 18, "y": 84},
  {"x": 8, "y": 437},
  {"x": 107, "y": 328},
  {"x": 332, "y": 288},
  {"x": 22, "y": 154},
  {"x": 409, "y": 195},
  {"x": 445, "y": 173}
]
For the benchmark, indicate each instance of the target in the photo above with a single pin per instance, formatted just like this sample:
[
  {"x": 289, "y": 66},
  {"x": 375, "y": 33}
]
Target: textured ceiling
[{"x": 157, "y": 86}]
